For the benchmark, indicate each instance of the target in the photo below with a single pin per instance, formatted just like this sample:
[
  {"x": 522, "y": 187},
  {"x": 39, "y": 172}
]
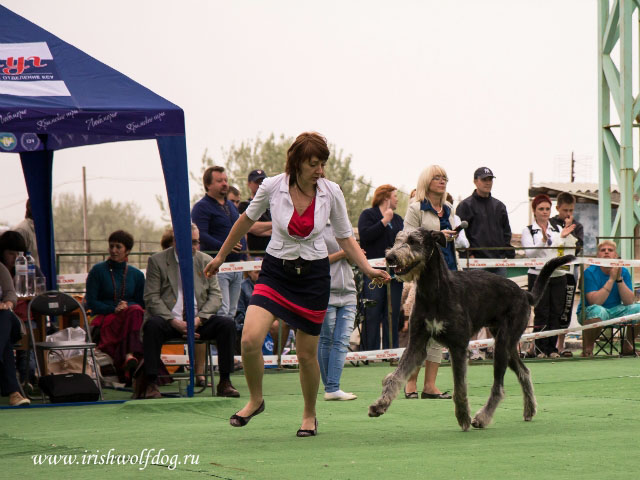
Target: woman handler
[{"x": 294, "y": 282}]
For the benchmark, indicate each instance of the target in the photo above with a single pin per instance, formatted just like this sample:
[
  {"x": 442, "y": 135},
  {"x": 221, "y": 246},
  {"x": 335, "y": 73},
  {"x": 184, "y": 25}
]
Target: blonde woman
[{"x": 430, "y": 210}]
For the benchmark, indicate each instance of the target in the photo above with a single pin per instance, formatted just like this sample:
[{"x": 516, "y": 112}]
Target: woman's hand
[
  {"x": 450, "y": 235},
  {"x": 567, "y": 230},
  {"x": 213, "y": 266},
  {"x": 381, "y": 275},
  {"x": 121, "y": 306}
]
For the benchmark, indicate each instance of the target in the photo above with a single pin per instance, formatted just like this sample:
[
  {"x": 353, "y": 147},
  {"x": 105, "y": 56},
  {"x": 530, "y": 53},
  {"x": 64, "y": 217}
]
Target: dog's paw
[
  {"x": 476, "y": 423},
  {"x": 529, "y": 412},
  {"x": 375, "y": 410},
  {"x": 480, "y": 420},
  {"x": 465, "y": 423}
]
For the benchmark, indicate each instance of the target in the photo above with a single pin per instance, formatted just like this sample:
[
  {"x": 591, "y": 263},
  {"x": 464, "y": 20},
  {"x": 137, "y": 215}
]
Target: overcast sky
[{"x": 508, "y": 84}]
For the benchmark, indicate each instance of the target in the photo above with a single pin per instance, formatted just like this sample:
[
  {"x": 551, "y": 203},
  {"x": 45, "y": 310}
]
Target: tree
[{"x": 104, "y": 218}]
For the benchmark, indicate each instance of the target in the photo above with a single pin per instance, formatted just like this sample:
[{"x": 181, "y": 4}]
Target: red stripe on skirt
[{"x": 315, "y": 316}]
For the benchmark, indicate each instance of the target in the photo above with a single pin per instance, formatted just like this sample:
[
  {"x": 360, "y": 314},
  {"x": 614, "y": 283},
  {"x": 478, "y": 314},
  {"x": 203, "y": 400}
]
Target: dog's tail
[{"x": 545, "y": 274}]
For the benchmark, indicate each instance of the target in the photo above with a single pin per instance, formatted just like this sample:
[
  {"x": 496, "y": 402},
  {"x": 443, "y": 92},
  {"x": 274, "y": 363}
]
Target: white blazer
[
  {"x": 274, "y": 194},
  {"x": 554, "y": 240}
]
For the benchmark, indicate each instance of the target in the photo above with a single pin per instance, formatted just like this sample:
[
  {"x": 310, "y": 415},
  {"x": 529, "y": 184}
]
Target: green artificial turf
[{"x": 587, "y": 426}]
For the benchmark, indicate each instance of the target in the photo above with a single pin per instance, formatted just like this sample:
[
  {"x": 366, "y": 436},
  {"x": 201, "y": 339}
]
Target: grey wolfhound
[{"x": 451, "y": 307}]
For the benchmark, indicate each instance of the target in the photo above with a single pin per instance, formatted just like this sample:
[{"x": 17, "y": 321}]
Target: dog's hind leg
[
  {"x": 500, "y": 359},
  {"x": 460, "y": 400},
  {"x": 413, "y": 356},
  {"x": 524, "y": 377}
]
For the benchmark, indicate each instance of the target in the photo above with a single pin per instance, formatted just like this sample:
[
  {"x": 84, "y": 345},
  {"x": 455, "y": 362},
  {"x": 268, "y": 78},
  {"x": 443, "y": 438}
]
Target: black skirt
[{"x": 300, "y": 300}]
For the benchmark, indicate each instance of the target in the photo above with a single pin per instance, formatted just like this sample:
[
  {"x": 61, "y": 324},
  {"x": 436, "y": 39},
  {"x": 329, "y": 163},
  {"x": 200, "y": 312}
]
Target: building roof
[{"x": 584, "y": 192}]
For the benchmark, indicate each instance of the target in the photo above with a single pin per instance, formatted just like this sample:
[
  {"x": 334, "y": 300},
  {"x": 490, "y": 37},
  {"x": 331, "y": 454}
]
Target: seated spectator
[
  {"x": 201, "y": 350},
  {"x": 9, "y": 335},
  {"x": 11, "y": 244},
  {"x": 549, "y": 309},
  {"x": 164, "y": 319},
  {"x": 115, "y": 292},
  {"x": 608, "y": 294}
]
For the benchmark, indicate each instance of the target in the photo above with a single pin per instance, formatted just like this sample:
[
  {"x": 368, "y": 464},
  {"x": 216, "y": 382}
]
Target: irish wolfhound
[{"x": 451, "y": 307}]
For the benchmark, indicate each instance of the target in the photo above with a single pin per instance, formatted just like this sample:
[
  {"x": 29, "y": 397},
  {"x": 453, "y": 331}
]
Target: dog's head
[{"x": 412, "y": 251}]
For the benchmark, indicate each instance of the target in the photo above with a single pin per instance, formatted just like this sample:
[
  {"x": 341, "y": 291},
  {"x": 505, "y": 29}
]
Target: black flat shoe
[
  {"x": 444, "y": 395},
  {"x": 308, "y": 433},
  {"x": 410, "y": 394},
  {"x": 238, "y": 421}
]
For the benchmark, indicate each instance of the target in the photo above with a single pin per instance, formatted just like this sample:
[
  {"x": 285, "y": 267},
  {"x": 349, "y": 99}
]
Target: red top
[{"x": 301, "y": 225}]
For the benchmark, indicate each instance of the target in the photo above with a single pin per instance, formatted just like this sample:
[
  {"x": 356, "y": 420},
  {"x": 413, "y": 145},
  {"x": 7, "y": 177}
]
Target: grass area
[{"x": 586, "y": 427}]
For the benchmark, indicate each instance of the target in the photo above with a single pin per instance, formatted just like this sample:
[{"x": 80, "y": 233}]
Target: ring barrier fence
[{"x": 396, "y": 353}]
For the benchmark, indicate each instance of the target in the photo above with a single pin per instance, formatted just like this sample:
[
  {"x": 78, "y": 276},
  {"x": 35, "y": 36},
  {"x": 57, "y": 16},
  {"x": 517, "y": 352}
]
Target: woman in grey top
[
  {"x": 9, "y": 334},
  {"x": 338, "y": 321}
]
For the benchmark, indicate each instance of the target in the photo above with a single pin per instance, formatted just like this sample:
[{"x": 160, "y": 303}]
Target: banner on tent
[{"x": 29, "y": 70}]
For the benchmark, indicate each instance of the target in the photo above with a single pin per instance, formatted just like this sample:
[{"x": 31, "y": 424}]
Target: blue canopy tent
[{"x": 54, "y": 96}]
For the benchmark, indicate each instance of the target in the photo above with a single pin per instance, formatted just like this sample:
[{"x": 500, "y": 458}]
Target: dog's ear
[{"x": 439, "y": 238}]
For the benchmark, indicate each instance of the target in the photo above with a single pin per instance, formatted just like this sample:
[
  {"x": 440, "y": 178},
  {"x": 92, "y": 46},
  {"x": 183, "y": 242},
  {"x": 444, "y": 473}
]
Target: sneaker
[
  {"x": 16, "y": 400},
  {"x": 339, "y": 395},
  {"x": 541, "y": 355},
  {"x": 554, "y": 355}
]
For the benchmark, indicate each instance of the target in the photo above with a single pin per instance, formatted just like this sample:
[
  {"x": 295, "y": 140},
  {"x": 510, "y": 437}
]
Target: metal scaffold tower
[{"x": 615, "y": 152}]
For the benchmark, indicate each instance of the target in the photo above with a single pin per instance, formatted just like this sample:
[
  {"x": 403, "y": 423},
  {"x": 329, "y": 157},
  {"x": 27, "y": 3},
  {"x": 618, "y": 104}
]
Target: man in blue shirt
[
  {"x": 214, "y": 215},
  {"x": 609, "y": 294}
]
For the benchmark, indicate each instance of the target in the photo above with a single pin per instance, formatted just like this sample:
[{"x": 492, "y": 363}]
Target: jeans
[
  {"x": 230, "y": 284},
  {"x": 374, "y": 316},
  {"x": 333, "y": 344}
]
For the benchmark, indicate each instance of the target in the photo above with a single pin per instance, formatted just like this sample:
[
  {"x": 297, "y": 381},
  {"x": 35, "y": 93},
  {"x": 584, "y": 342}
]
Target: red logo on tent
[{"x": 17, "y": 65}]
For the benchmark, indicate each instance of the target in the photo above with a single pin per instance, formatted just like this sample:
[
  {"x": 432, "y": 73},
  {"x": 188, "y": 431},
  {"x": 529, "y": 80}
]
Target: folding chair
[
  {"x": 607, "y": 340},
  {"x": 209, "y": 368},
  {"x": 54, "y": 303}
]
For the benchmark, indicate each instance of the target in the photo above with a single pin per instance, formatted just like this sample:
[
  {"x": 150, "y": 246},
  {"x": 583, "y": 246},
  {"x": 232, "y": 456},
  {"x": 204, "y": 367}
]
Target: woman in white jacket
[{"x": 541, "y": 233}]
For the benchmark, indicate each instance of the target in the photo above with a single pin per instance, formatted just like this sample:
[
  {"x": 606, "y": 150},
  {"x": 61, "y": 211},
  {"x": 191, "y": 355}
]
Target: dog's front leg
[
  {"x": 459, "y": 366},
  {"x": 413, "y": 356}
]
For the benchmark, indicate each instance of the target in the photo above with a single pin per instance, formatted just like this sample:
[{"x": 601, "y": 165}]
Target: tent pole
[{"x": 85, "y": 232}]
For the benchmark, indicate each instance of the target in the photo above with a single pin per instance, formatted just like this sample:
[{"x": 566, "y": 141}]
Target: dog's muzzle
[{"x": 398, "y": 270}]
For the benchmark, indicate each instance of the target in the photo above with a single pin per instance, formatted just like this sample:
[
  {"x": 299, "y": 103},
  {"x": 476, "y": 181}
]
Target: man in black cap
[
  {"x": 260, "y": 233},
  {"x": 488, "y": 220},
  {"x": 488, "y": 227}
]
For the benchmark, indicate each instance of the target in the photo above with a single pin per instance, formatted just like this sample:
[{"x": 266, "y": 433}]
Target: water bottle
[
  {"x": 31, "y": 275},
  {"x": 22, "y": 271}
]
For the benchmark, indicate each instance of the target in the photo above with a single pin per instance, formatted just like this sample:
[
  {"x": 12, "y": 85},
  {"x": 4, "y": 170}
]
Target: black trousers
[
  {"x": 157, "y": 330},
  {"x": 549, "y": 311},
  {"x": 9, "y": 335}
]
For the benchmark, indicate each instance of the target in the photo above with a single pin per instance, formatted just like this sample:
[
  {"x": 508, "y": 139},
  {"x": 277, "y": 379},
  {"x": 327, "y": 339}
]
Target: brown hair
[
  {"x": 206, "y": 177},
  {"x": 382, "y": 193},
  {"x": 305, "y": 147},
  {"x": 565, "y": 198}
]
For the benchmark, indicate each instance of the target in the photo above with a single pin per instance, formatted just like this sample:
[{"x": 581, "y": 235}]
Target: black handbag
[
  {"x": 69, "y": 388},
  {"x": 296, "y": 268}
]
